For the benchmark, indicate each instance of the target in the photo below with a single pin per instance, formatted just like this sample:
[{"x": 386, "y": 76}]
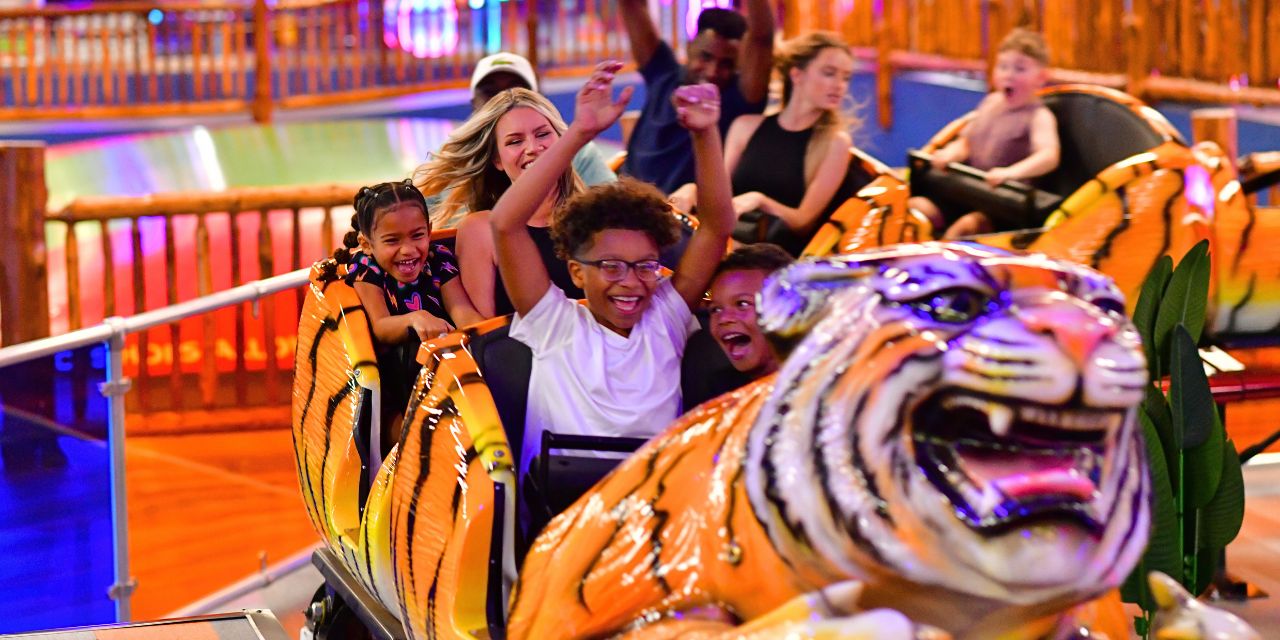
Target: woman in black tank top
[{"x": 795, "y": 164}]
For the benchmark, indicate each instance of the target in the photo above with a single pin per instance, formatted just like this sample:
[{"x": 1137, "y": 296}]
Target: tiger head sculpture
[{"x": 968, "y": 415}]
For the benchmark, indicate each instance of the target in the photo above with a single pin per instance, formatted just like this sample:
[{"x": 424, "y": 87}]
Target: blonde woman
[
  {"x": 475, "y": 167},
  {"x": 794, "y": 164}
]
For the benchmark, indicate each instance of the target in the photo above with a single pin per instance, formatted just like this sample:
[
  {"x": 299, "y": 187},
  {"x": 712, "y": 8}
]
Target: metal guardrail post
[{"x": 114, "y": 389}]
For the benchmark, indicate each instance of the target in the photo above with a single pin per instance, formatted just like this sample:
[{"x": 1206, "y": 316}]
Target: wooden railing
[
  {"x": 223, "y": 56},
  {"x": 1193, "y": 50},
  {"x": 125, "y": 255}
]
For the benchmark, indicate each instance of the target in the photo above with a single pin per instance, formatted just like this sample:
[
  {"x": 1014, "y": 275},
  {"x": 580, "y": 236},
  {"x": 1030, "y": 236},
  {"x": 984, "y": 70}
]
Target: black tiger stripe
[
  {"x": 1167, "y": 215},
  {"x": 1242, "y": 245},
  {"x": 419, "y": 482},
  {"x": 1240, "y": 304},
  {"x": 313, "y": 356},
  {"x": 335, "y": 401},
  {"x": 432, "y": 615},
  {"x": 883, "y": 222},
  {"x": 620, "y": 516},
  {"x": 1021, "y": 240},
  {"x": 767, "y": 469},
  {"x": 851, "y": 526},
  {"x": 661, "y": 517},
  {"x": 1104, "y": 251}
]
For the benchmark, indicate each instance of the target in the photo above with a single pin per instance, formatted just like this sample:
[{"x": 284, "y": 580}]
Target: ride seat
[{"x": 1095, "y": 132}]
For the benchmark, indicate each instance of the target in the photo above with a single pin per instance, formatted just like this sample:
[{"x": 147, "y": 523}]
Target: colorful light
[{"x": 695, "y": 10}]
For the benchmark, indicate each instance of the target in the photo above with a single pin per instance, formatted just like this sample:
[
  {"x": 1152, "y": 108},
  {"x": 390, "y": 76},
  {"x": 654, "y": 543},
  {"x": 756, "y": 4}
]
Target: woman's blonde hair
[
  {"x": 797, "y": 53},
  {"x": 464, "y": 165}
]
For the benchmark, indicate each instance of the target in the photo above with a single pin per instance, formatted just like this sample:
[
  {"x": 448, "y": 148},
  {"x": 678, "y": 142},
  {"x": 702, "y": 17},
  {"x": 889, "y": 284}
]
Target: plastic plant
[{"x": 1197, "y": 485}]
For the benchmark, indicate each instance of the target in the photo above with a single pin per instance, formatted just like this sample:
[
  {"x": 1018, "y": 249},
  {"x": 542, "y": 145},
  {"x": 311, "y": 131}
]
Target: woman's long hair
[
  {"x": 798, "y": 53},
  {"x": 465, "y": 164}
]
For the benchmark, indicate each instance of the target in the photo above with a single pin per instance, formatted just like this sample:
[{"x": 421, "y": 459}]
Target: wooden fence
[
  {"x": 140, "y": 58},
  {"x": 123, "y": 59}
]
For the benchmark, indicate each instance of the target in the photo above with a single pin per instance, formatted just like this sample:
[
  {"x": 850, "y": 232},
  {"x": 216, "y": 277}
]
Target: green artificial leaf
[
  {"x": 1144, "y": 312},
  {"x": 1194, "y": 412},
  {"x": 1156, "y": 406},
  {"x": 1162, "y": 552},
  {"x": 1220, "y": 520},
  {"x": 1185, "y": 298},
  {"x": 1207, "y": 563}
]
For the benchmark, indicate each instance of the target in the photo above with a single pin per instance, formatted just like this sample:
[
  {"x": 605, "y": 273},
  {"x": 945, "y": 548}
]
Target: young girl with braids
[
  {"x": 407, "y": 284},
  {"x": 794, "y": 164}
]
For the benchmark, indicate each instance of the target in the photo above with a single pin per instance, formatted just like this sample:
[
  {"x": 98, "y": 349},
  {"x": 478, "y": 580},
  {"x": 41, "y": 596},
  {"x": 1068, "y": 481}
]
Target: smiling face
[
  {"x": 399, "y": 241},
  {"x": 1018, "y": 77},
  {"x": 733, "y": 321},
  {"x": 824, "y": 82},
  {"x": 522, "y": 134},
  {"x": 616, "y": 305}
]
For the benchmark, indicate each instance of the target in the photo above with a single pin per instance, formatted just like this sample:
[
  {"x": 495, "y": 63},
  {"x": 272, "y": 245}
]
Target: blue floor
[{"x": 55, "y": 496}]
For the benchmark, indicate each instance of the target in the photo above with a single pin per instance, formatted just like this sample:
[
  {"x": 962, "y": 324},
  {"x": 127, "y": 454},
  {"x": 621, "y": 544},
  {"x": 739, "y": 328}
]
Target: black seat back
[
  {"x": 506, "y": 364},
  {"x": 1095, "y": 132}
]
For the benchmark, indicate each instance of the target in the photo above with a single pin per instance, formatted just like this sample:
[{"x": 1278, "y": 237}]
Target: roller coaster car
[
  {"x": 1127, "y": 190},
  {"x": 455, "y": 461}
]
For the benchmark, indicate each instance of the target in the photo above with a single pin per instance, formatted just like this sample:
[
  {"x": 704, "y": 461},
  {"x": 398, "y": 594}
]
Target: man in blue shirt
[{"x": 734, "y": 53}]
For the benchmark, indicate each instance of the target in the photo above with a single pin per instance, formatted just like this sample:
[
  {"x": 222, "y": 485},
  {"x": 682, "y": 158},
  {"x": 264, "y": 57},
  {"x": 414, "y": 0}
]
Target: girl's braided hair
[{"x": 371, "y": 201}]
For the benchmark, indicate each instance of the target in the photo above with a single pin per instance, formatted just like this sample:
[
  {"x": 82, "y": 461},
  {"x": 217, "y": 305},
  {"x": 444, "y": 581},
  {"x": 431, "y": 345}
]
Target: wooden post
[
  {"x": 1216, "y": 125},
  {"x": 531, "y": 25},
  {"x": 884, "y": 70},
  {"x": 262, "y": 101},
  {"x": 24, "y": 294},
  {"x": 1137, "y": 46}
]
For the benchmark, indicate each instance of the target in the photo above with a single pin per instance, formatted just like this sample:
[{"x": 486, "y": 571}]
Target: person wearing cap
[
  {"x": 730, "y": 51},
  {"x": 503, "y": 71}
]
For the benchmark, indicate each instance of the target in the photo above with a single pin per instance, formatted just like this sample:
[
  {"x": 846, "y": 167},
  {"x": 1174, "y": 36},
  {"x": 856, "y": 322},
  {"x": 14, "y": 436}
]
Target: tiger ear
[{"x": 793, "y": 299}]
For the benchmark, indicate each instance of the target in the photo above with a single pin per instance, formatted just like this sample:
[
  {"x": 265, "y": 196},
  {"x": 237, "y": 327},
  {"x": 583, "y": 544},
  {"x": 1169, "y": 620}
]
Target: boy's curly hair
[
  {"x": 1027, "y": 42},
  {"x": 625, "y": 204},
  {"x": 761, "y": 256}
]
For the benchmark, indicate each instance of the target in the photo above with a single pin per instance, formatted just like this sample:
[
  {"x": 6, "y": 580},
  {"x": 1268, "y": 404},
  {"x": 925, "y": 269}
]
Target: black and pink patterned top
[{"x": 421, "y": 294}]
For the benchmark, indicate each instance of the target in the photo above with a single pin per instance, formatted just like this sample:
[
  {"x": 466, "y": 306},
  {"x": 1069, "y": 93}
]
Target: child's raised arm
[
  {"x": 698, "y": 108},
  {"x": 523, "y": 273}
]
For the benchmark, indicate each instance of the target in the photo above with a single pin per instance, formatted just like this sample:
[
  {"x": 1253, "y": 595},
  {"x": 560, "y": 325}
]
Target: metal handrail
[
  {"x": 247, "y": 292},
  {"x": 113, "y": 331}
]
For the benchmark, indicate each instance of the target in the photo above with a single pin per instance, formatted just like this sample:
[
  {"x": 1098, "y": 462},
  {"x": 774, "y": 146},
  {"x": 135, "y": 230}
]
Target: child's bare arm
[
  {"x": 1045, "y": 151},
  {"x": 519, "y": 262},
  {"x": 393, "y": 329},
  {"x": 698, "y": 108},
  {"x": 458, "y": 304}
]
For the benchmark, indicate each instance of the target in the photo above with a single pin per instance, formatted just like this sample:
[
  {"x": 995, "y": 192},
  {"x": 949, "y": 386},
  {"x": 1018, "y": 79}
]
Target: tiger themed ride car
[
  {"x": 1127, "y": 190},
  {"x": 949, "y": 448}
]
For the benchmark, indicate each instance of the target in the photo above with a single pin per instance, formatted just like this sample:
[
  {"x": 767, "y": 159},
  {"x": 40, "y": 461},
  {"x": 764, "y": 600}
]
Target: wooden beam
[{"x": 24, "y": 294}]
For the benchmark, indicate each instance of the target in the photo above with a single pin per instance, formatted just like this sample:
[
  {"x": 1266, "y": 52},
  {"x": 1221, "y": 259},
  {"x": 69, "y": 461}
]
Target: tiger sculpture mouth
[{"x": 1005, "y": 463}]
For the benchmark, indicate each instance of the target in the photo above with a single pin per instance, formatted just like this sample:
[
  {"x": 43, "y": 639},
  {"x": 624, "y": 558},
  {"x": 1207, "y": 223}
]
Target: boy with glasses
[{"x": 610, "y": 367}]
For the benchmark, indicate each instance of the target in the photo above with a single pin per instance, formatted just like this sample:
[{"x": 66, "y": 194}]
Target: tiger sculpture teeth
[{"x": 949, "y": 450}]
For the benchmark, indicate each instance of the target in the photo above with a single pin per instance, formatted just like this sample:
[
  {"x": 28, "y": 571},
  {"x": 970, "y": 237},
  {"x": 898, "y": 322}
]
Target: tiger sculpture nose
[{"x": 1076, "y": 326}]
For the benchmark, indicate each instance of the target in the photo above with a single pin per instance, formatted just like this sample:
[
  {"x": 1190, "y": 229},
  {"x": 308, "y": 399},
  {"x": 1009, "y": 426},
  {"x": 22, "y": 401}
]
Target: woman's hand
[
  {"x": 697, "y": 106},
  {"x": 595, "y": 108},
  {"x": 684, "y": 198},
  {"x": 944, "y": 156},
  {"x": 749, "y": 201},
  {"x": 428, "y": 326}
]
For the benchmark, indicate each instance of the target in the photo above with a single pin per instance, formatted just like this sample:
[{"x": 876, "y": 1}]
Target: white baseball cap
[{"x": 504, "y": 62}]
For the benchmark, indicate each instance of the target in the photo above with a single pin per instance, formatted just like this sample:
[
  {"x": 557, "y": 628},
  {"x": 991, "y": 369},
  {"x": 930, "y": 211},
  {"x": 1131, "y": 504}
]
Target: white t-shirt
[{"x": 588, "y": 380}]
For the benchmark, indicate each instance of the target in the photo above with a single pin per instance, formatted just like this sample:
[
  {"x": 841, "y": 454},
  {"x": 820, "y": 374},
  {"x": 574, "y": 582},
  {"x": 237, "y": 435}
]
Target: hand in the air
[
  {"x": 697, "y": 106},
  {"x": 595, "y": 108}
]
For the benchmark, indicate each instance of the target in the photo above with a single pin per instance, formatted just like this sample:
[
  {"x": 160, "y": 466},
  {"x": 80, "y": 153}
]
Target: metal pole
[{"x": 114, "y": 389}]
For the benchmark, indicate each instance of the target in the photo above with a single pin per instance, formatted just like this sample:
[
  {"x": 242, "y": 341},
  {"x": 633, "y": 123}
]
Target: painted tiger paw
[
  {"x": 832, "y": 613},
  {"x": 1182, "y": 617}
]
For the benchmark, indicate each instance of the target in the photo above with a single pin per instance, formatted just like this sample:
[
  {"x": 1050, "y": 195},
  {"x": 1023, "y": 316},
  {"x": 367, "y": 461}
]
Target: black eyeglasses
[{"x": 615, "y": 270}]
